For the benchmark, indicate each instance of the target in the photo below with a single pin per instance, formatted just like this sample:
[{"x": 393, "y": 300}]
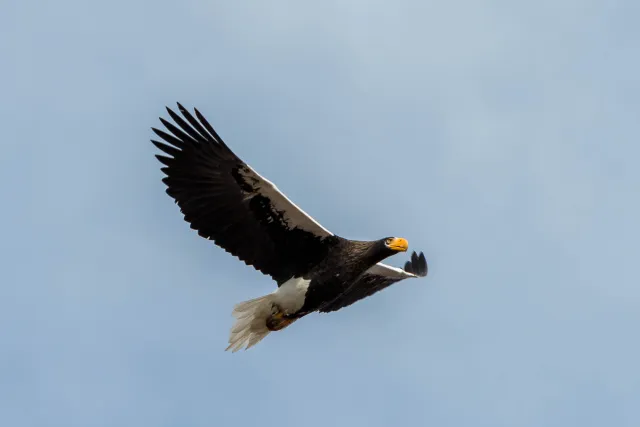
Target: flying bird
[{"x": 226, "y": 201}]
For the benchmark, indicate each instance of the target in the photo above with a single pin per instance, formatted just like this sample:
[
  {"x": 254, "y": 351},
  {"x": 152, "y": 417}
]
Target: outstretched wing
[
  {"x": 226, "y": 201},
  {"x": 377, "y": 278}
]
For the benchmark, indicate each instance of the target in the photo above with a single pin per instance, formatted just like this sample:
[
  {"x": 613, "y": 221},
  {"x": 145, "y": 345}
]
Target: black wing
[
  {"x": 377, "y": 278},
  {"x": 226, "y": 201}
]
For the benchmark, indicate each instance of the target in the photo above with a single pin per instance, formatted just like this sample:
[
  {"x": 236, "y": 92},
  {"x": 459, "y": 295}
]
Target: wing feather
[
  {"x": 377, "y": 278},
  {"x": 225, "y": 200}
]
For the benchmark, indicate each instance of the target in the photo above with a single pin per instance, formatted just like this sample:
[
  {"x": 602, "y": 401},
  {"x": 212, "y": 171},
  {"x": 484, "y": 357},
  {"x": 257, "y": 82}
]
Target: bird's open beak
[{"x": 399, "y": 244}]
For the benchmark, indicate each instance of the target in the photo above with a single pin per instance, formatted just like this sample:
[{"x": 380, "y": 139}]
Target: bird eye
[{"x": 388, "y": 241}]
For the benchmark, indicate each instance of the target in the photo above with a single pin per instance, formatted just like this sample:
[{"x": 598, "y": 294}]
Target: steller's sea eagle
[{"x": 228, "y": 202}]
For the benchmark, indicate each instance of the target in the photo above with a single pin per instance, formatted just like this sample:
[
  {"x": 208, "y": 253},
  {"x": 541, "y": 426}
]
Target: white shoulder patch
[
  {"x": 381, "y": 269},
  {"x": 293, "y": 215}
]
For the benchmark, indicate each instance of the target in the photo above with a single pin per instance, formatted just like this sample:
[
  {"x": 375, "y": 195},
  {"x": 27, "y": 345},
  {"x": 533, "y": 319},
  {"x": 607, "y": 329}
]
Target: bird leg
[{"x": 278, "y": 319}]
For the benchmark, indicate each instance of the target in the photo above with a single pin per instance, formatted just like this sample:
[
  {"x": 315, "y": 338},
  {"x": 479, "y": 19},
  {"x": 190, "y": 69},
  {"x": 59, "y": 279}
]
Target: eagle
[{"x": 226, "y": 201}]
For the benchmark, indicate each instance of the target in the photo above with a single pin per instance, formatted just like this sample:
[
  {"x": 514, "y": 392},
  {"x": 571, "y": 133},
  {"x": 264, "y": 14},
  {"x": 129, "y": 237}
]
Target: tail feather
[{"x": 251, "y": 323}]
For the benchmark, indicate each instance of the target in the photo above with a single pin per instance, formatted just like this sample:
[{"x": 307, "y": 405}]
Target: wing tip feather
[{"x": 417, "y": 265}]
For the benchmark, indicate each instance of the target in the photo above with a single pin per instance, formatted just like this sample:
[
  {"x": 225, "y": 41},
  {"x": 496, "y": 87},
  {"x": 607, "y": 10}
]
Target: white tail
[{"x": 251, "y": 322}]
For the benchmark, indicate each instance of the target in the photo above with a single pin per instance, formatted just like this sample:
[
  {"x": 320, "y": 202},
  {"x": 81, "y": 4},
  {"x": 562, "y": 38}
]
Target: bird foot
[{"x": 278, "y": 321}]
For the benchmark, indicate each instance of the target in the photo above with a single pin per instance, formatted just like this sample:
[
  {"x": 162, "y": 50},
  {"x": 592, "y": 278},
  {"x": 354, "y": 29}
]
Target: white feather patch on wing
[
  {"x": 381, "y": 269},
  {"x": 293, "y": 214}
]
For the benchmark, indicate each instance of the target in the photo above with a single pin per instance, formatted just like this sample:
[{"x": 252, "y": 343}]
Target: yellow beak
[{"x": 398, "y": 244}]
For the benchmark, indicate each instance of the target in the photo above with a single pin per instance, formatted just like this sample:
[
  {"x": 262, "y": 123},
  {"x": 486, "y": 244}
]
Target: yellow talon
[{"x": 279, "y": 321}]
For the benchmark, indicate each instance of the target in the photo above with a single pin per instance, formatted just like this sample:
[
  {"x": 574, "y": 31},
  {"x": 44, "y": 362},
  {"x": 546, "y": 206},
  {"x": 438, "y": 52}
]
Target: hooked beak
[{"x": 398, "y": 244}]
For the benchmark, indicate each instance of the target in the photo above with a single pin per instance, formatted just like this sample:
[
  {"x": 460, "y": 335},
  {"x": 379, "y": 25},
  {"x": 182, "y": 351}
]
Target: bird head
[{"x": 395, "y": 244}]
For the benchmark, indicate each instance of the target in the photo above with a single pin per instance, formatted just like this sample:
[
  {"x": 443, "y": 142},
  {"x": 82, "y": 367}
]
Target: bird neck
[{"x": 364, "y": 253}]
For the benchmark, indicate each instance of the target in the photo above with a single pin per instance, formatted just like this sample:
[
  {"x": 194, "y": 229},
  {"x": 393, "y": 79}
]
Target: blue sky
[{"x": 501, "y": 138}]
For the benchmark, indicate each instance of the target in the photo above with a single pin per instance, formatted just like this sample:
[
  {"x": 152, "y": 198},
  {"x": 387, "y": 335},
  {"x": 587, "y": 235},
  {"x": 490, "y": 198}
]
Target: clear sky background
[{"x": 501, "y": 138}]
